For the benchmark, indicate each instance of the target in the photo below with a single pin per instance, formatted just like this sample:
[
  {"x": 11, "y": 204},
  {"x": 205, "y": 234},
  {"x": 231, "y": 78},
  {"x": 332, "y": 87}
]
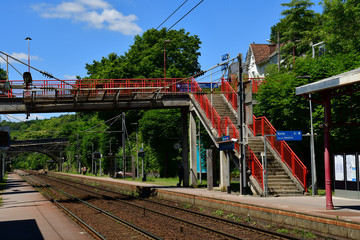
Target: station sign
[
  {"x": 97, "y": 155},
  {"x": 226, "y": 144},
  {"x": 141, "y": 152},
  {"x": 289, "y": 135},
  {"x": 225, "y": 57}
]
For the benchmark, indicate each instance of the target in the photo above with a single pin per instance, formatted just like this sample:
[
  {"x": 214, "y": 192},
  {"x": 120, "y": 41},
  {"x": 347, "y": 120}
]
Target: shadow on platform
[{"x": 21, "y": 229}]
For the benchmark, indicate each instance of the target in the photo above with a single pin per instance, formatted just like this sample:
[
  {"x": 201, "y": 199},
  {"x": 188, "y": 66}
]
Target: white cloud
[
  {"x": 20, "y": 56},
  {"x": 70, "y": 76},
  {"x": 96, "y": 13}
]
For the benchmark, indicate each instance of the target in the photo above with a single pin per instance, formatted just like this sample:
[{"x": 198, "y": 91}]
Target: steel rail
[
  {"x": 214, "y": 218},
  {"x": 124, "y": 222},
  {"x": 162, "y": 214},
  {"x": 92, "y": 231}
]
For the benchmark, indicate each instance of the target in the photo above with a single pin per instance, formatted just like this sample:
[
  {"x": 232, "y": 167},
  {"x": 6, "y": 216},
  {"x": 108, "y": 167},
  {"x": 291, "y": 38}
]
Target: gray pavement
[{"x": 26, "y": 214}]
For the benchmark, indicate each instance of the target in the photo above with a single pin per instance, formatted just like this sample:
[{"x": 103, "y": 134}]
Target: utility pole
[
  {"x": 241, "y": 125},
  {"x": 123, "y": 143},
  {"x": 278, "y": 47},
  {"x": 92, "y": 158},
  {"x": 77, "y": 156}
]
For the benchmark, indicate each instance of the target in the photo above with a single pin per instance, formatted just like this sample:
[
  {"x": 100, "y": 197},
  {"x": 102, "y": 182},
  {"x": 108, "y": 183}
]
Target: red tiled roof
[{"x": 262, "y": 51}]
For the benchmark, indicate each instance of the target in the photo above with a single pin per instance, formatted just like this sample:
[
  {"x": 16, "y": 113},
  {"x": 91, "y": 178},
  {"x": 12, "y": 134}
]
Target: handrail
[
  {"x": 224, "y": 126},
  {"x": 95, "y": 86},
  {"x": 256, "y": 167},
  {"x": 262, "y": 126}
]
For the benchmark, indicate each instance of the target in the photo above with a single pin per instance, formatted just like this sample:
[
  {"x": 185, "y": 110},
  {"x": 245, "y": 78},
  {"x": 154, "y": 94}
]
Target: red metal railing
[
  {"x": 224, "y": 126},
  {"x": 229, "y": 93},
  {"x": 256, "y": 167},
  {"x": 255, "y": 83},
  {"x": 262, "y": 126},
  {"x": 96, "y": 86}
]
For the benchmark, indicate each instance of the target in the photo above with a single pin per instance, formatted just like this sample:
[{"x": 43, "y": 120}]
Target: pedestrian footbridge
[{"x": 217, "y": 112}]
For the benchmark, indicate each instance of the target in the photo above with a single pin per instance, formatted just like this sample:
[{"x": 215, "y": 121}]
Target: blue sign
[
  {"x": 224, "y": 67},
  {"x": 225, "y": 57},
  {"x": 208, "y": 85},
  {"x": 226, "y": 146},
  {"x": 289, "y": 135},
  {"x": 225, "y": 138}
]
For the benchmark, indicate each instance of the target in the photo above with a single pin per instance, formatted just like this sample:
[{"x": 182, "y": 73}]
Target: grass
[
  {"x": 321, "y": 192},
  {"x": 2, "y": 187}
]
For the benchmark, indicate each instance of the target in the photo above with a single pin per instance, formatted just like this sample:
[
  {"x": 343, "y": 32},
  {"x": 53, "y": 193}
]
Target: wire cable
[
  {"x": 171, "y": 14},
  {"x": 185, "y": 15},
  {"x": 11, "y": 65}
]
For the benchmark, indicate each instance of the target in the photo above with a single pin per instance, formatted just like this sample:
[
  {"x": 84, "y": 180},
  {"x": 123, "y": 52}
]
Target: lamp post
[
  {"x": 312, "y": 148},
  {"x": 28, "y": 39},
  {"x": 137, "y": 149},
  {"x": 165, "y": 42}
]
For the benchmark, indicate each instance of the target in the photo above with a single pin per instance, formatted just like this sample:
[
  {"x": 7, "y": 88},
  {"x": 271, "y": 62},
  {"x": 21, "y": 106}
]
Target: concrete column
[
  {"x": 193, "y": 165},
  {"x": 224, "y": 171},
  {"x": 209, "y": 169},
  {"x": 133, "y": 167},
  {"x": 1, "y": 166},
  {"x": 185, "y": 144}
]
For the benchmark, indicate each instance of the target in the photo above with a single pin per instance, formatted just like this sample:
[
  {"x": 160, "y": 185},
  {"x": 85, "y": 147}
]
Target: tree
[
  {"x": 145, "y": 58},
  {"x": 2, "y": 74},
  {"x": 160, "y": 129},
  {"x": 341, "y": 28},
  {"x": 295, "y": 29}
]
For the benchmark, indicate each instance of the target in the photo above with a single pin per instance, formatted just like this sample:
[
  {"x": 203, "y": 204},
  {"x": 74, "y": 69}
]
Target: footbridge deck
[{"x": 93, "y": 95}]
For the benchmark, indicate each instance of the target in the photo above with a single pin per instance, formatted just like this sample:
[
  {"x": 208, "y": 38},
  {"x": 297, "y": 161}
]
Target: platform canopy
[{"x": 333, "y": 82}]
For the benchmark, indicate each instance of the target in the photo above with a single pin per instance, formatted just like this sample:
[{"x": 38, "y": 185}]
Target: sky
[{"x": 67, "y": 34}]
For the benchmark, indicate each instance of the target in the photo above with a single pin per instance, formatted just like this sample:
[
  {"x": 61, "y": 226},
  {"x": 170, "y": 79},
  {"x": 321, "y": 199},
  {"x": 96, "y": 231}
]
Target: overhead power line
[
  {"x": 171, "y": 14},
  {"x": 185, "y": 15}
]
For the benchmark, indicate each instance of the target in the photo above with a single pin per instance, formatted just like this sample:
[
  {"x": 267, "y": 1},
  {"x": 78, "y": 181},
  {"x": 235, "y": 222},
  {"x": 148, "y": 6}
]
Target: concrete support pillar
[
  {"x": 193, "y": 165},
  {"x": 209, "y": 169},
  {"x": 1, "y": 166},
  {"x": 224, "y": 171},
  {"x": 185, "y": 144},
  {"x": 133, "y": 167}
]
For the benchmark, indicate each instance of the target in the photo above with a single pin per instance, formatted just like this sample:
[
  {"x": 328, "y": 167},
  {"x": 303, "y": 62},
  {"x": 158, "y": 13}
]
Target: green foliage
[
  {"x": 2, "y": 74},
  {"x": 295, "y": 29},
  {"x": 286, "y": 111},
  {"x": 145, "y": 58},
  {"x": 160, "y": 129},
  {"x": 340, "y": 29}
]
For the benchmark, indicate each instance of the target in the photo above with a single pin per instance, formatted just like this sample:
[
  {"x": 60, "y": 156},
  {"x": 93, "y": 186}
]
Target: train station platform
[
  {"x": 26, "y": 209},
  {"x": 26, "y": 214},
  {"x": 305, "y": 212}
]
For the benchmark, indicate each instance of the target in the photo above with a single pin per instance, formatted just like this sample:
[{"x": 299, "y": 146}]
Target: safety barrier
[
  {"x": 94, "y": 87},
  {"x": 255, "y": 166},
  {"x": 261, "y": 126},
  {"x": 224, "y": 126}
]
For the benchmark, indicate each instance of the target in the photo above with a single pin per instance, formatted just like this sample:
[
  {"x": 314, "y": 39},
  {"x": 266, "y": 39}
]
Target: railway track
[
  {"x": 87, "y": 215},
  {"x": 214, "y": 227}
]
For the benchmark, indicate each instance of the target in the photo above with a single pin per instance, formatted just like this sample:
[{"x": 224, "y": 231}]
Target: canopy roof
[{"x": 336, "y": 81}]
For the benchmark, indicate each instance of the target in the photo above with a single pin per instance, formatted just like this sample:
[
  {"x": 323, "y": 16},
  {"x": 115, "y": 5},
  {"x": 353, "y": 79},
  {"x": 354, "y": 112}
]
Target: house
[{"x": 258, "y": 57}]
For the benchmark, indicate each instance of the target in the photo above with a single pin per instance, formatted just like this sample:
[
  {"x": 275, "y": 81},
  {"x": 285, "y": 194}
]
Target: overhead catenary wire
[
  {"x": 185, "y": 15},
  {"x": 11, "y": 65},
  {"x": 171, "y": 15},
  {"x": 117, "y": 117},
  {"x": 42, "y": 72}
]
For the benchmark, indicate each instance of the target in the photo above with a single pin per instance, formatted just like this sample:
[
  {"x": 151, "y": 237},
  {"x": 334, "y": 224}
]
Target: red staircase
[
  {"x": 261, "y": 126},
  {"x": 221, "y": 125}
]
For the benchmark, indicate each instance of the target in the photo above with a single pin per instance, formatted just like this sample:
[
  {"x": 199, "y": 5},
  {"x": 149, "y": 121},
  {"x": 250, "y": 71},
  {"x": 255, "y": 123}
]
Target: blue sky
[{"x": 67, "y": 34}]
